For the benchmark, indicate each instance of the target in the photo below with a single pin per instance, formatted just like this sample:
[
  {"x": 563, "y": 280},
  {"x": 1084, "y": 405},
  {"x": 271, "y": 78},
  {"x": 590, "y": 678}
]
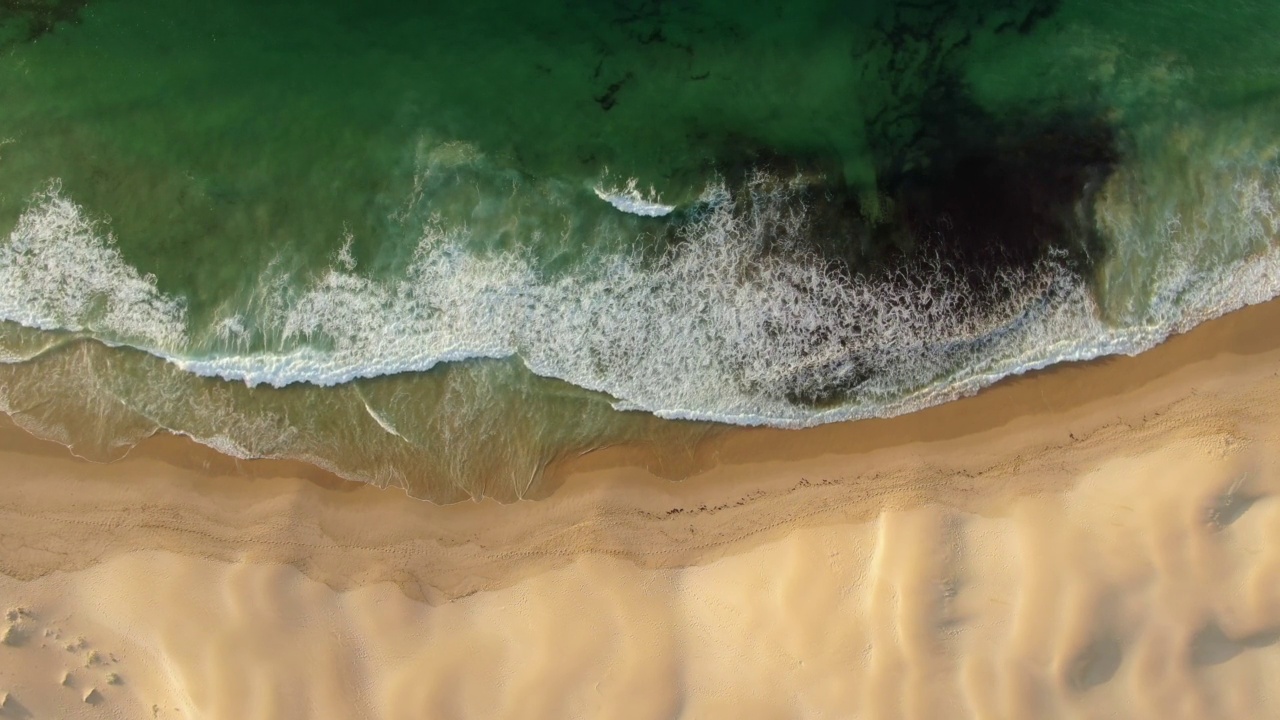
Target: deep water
[{"x": 440, "y": 246}]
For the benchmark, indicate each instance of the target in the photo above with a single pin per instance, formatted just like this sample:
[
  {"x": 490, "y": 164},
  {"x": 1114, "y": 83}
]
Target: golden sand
[{"x": 1093, "y": 541}]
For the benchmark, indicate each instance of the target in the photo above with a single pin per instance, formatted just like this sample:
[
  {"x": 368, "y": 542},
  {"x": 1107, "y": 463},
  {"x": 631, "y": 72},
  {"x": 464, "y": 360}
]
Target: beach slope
[{"x": 1098, "y": 540}]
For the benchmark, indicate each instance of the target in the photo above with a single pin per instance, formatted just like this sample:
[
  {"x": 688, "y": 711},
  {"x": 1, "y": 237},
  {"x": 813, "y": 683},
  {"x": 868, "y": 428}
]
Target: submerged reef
[{"x": 29, "y": 20}]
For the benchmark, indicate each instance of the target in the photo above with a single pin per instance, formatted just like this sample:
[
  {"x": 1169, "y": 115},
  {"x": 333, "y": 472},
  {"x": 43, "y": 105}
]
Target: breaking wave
[
  {"x": 629, "y": 199},
  {"x": 739, "y": 322}
]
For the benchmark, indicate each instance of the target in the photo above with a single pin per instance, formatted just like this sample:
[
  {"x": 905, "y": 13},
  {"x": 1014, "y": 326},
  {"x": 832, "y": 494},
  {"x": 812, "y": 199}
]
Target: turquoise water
[{"x": 440, "y": 247}]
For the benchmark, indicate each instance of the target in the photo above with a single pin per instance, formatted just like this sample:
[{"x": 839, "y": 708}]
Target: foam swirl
[{"x": 737, "y": 323}]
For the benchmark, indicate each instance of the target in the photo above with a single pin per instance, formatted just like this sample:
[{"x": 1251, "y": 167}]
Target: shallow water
[{"x": 439, "y": 247}]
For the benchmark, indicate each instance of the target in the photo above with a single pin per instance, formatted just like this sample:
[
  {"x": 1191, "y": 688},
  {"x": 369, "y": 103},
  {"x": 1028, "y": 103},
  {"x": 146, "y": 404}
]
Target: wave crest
[
  {"x": 58, "y": 271},
  {"x": 739, "y": 321}
]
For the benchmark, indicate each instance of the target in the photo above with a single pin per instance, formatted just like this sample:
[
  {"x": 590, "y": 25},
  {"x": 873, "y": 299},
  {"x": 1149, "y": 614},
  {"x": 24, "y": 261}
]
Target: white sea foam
[
  {"x": 717, "y": 329},
  {"x": 630, "y": 199},
  {"x": 59, "y": 271}
]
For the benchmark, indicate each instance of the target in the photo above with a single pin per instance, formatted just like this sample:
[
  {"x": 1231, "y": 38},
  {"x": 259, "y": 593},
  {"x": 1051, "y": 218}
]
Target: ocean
[{"x": 439, "y": 247}]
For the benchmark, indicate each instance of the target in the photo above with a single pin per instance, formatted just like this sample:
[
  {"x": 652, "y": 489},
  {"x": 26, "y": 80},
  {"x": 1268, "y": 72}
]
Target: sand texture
[{"x": 1093, "y": 541}]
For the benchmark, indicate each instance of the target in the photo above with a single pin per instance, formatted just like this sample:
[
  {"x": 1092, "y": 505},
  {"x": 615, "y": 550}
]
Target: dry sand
[{"x": 1093, "y": 541}]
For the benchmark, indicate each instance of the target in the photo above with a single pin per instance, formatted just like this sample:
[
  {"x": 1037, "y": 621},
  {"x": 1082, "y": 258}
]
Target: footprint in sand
[
  {"x": 17, "y": 631},
  {"x": 10, "y": 707},
  {"x": 90, "y": 684}
]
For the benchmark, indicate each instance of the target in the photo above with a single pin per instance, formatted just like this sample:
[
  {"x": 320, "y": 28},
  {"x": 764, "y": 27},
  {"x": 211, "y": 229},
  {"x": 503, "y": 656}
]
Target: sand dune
[{"x": 1055, "y": 548}]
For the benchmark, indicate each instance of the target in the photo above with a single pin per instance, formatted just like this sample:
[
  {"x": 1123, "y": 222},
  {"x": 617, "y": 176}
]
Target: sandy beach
[{"x": 1100, "y": 540}]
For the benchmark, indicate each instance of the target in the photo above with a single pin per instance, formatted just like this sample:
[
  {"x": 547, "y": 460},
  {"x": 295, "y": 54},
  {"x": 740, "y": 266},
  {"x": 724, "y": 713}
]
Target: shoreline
[
  {"x": 742, "y": 484},
  {"x": 1085, "y": 541}
]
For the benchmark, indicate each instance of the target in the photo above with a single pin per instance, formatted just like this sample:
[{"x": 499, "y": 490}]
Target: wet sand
[{"x": 1099, "y": 540}]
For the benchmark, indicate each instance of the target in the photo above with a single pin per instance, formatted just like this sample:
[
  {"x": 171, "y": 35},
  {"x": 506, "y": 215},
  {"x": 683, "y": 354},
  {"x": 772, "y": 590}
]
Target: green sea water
[{"x": 391, "y": 238}]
